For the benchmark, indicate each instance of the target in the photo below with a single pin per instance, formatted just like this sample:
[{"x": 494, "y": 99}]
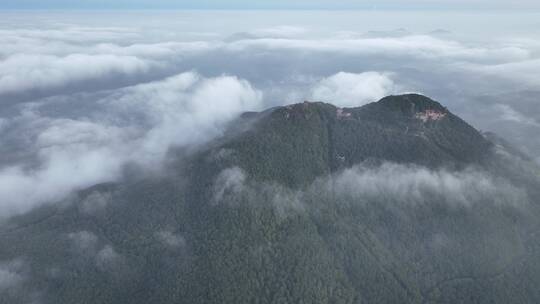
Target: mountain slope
[
  {"x": 298, "y": 143},
  {"x": 398, "y": 201}
]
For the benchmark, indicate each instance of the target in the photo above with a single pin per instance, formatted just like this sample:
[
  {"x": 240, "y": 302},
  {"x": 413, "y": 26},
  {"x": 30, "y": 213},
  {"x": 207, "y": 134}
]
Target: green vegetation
[{"x": 256, "y": 217}]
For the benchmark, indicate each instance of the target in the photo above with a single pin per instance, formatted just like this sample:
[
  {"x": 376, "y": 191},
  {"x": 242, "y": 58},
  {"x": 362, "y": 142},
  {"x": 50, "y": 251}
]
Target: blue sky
[{"x": 271, "y": 4}]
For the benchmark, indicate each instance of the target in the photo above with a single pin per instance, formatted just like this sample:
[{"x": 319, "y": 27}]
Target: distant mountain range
[{"x": 397, "y": 201}]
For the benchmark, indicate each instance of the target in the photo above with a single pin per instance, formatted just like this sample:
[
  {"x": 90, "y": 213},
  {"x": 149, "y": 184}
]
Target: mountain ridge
[
  {"x": 404, "y": 129},
  {"x": 398, "y": 201}
]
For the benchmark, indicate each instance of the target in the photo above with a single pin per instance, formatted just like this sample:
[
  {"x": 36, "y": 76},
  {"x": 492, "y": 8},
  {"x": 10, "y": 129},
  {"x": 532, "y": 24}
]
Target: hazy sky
[{"x": 274, "y": 4}]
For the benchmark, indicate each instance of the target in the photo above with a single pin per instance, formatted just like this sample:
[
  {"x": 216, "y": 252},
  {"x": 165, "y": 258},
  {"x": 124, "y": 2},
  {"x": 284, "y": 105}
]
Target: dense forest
[{"x": 398, "y": 201}]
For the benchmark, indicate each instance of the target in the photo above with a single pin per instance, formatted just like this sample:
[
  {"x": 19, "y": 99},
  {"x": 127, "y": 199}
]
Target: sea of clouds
[{"x": 82, "y": 94}]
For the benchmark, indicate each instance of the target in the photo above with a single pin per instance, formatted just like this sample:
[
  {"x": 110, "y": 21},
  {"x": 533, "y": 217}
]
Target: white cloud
[
  {"x": 398, "y": 186},
  {"x": 69, "y": 34},
  {"x": 509, "y": 114},
  {"x": 137, "y": 124},
  {"x": 21, "y": 72},
  {"x": 350, "y": 90},
  {"x": 171, "y": 239},
  {"x": 63, "y": 170},
  {"x": 229, "y": 182},
  {"x": 233, "y": 187},
  {"x": 185, "y": 109},
  {"x": 408, "y": 185},
  {"x": 166, "y": 51},
  {"x": 84, "y": 241},
  {"x": 523, "y": 73},
  {"x": 283, "y": 31},
  {"x": 96, "y": 202},
  {"x": 107, "y": 258},
  {"x": 415, "y": 46},
  {"x": 10, "y": 274}
]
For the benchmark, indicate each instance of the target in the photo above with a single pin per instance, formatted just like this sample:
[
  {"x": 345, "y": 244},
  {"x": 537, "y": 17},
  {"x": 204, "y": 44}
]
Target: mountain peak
[
  {"x": 413, "y": 104},
  {"x": 296, "y": 143},
  {"x": 396, "y": 107}
]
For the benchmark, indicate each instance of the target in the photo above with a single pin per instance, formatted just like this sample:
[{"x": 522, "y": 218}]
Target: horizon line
[{"x": 263, "y": 9}]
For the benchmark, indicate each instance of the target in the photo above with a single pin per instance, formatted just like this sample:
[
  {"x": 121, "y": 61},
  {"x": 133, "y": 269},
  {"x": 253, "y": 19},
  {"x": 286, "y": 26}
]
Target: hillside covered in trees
[{"x": 397, "y": 201}]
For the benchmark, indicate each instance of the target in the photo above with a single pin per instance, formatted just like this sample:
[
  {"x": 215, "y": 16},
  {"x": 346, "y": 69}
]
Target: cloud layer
[
  {"x": 400, "y": 186},
  {"x": 84, "y": 96},
  {"x": 410, "y": 185},
  {"x": 352, "y": 90},
  {"x": 136, "y": 124},
  {"x": 23, "y": 72}
]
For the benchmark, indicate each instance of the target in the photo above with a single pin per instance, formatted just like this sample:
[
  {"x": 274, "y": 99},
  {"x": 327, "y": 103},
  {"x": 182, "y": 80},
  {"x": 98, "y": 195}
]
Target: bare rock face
[{"x": 430, "y": 115}]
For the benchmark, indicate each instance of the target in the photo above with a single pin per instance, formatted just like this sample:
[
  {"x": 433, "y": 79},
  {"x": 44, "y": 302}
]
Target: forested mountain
[{"x": 397, "y": 201}]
